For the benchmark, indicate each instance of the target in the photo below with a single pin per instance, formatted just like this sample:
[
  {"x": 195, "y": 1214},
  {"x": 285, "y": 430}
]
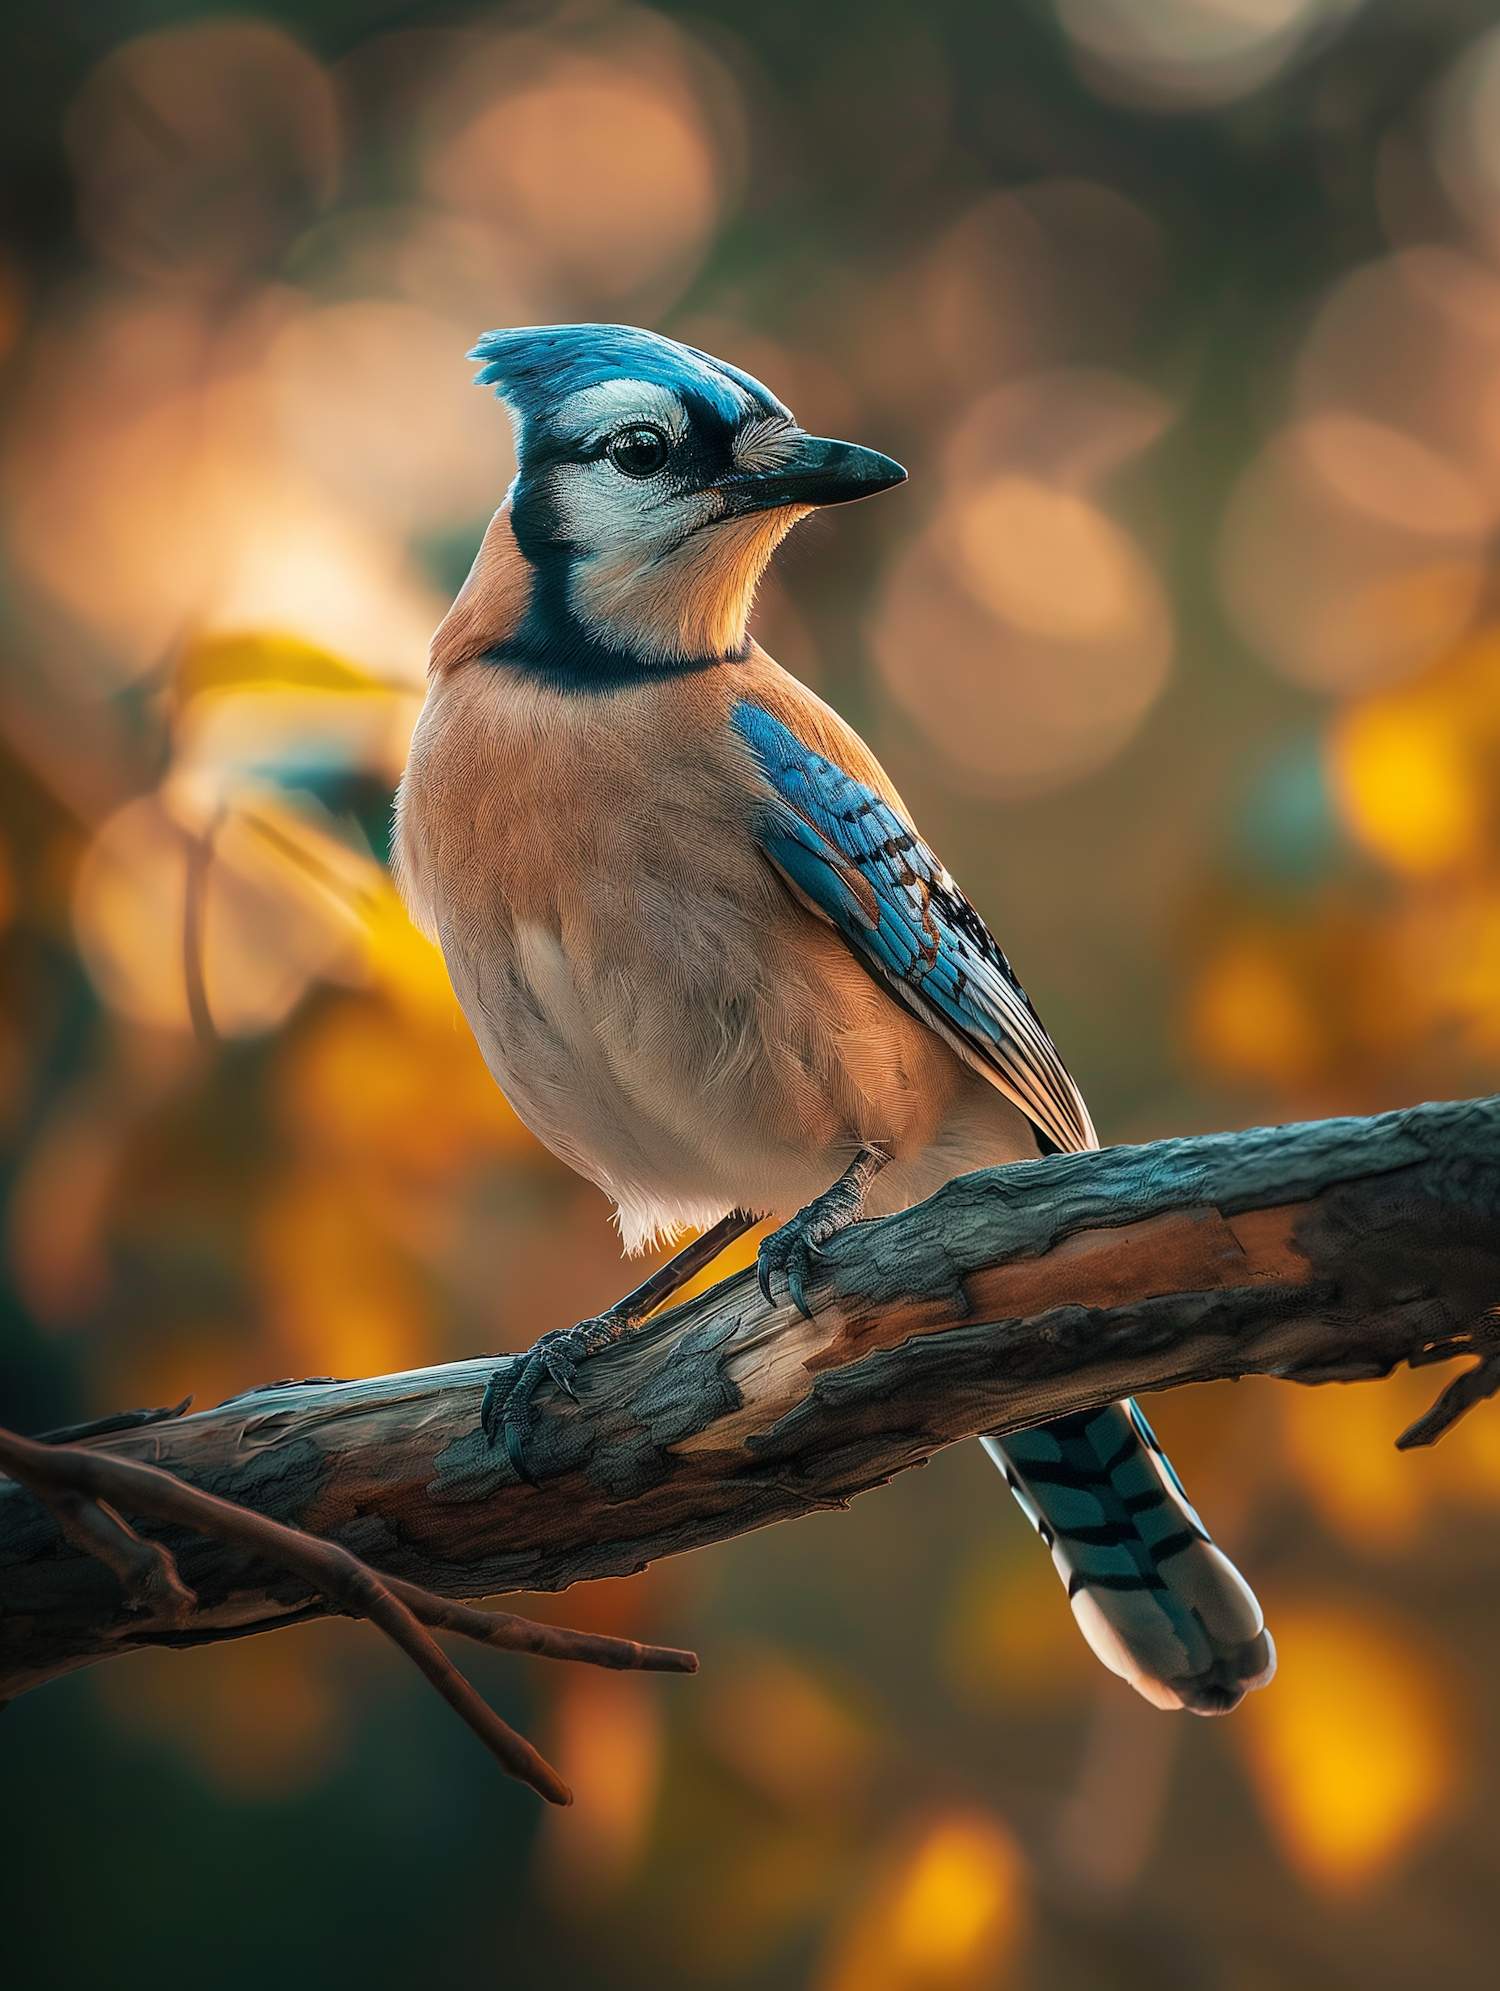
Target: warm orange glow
[
  {"x": 1049, "y": 562},
  {"x": 1349, "y": 555},
  {"x": 292, "y": 561},
  {"x": 1352, "y": 1752},
  {"x": 1379, "y": 470},
  {"x": 786, "y": 1734},
  {"x": 280, "y": 905},
  {"x": 375, "y": 400},
  {"x": 1405, "y": 780},
  {"x": 364, "y": 1084},
  {"x": 1013, "y": 712},
  {"x": 1249, "y": 1017},
  {"x": 148, "y": 491},
  {"x": 1383, "y": 627},
  {"x": 605, "y": 177},
  {"x": 103, "y": 479},
  {"x": 55, "y": 1218},
  {"x": 608, "y": 1746},
  {"x": 339, "y": 1300},
  {"x": 1339, "y": 1446},
  {"x": 260, "y": 1718},
  {"x": 1456, "y": 944},
  {"x": 288, "y": 895},
  {"x": 405, "y": 965},
  {"x": 1011, "y": 1636},
  {"x": 1025, "y": 634},
  {"x": 947, "y": 1918}
]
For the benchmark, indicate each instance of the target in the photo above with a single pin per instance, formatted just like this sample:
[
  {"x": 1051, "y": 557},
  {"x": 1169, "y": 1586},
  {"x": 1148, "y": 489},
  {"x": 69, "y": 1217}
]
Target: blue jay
[{"x": 705, "y": 951}]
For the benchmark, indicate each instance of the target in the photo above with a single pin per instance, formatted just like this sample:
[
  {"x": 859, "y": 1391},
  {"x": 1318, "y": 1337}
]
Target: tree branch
[
  {"x": 1329, "y": 1252},
  {"x": 78, "y": 1488}
]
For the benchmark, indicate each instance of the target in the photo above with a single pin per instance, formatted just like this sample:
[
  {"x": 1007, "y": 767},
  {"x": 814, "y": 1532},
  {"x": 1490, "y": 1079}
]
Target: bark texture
[{"x": 1329, "y": 1252}]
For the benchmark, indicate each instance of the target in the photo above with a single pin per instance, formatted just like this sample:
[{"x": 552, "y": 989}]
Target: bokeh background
[{"x": 1184, "y": 643}]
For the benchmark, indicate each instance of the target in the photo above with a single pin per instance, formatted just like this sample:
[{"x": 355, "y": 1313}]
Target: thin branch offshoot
[{"x": 84, "y": 1490}]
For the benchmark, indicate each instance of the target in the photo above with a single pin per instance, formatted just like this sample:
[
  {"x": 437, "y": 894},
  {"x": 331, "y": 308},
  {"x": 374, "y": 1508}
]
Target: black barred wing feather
[{"x": 847, "y": 852}]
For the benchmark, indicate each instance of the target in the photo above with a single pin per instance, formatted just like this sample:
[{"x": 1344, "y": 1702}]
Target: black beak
[{"x": 821, "y": 473}]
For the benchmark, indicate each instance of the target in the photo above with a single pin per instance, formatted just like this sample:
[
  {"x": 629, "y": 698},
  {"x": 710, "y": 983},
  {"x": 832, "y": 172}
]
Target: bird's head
[{"x": 653, "y": 484}]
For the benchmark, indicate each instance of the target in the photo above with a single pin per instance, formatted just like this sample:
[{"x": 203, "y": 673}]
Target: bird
[{"x": 703, "y": 947}]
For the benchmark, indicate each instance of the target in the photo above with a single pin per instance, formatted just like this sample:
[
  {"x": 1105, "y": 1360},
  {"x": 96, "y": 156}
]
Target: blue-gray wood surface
[{"x": 1325, "y": 1252}]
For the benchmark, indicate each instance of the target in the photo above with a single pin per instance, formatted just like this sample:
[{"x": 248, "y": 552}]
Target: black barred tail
[{"x": 1158, "y": 1602}]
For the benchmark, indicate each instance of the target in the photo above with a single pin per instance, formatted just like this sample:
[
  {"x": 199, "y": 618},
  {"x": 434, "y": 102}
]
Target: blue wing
[
  {"x": 848, "y": 854},
  {"x": 1155, "y": 1599}
]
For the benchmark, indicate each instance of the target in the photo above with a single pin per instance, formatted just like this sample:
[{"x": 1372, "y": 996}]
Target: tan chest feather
[
  {"x": 518, "y": 797},
  {"x": 519, "y": 800},
  {"x": 657, "y": 1006}
]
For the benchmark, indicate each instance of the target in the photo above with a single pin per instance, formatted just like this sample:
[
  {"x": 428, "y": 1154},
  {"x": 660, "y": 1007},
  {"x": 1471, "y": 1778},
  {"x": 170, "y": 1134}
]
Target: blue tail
[{"x": 1159, "y": 1604}]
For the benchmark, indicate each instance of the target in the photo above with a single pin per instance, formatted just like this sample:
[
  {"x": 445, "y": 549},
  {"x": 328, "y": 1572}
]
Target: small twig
[
  {"x": 200, "y": 853},
  {"x": 147, "y": 1572},
  {"x": 513, "y": 1634},
  {"x": 1472, "y": 1387},
  {"x": 1461, "y": 1395},
  {"x": 82, "y": 1488}
]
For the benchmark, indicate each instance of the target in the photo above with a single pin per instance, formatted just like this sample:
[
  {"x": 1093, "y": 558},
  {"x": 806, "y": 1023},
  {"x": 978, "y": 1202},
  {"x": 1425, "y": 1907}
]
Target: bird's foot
[
  {"x": 509, "y": 1407},
  {"x": 793, "y": 1248}
]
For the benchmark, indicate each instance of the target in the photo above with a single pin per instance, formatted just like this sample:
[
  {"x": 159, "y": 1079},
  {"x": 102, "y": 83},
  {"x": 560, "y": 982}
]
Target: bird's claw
[
  {"x": 562, "y": 1370},
  {"x": 791, "y": 1252},
  {"x": 508, "y": 1410}
]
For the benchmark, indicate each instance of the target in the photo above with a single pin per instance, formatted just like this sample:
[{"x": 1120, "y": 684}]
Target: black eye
[{"x": 639, "y": 452}]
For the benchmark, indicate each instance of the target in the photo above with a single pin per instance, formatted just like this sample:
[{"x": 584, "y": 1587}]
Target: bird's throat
[
  {"x": 688, "y": 604},
  {"x": 594, "y": 621}
]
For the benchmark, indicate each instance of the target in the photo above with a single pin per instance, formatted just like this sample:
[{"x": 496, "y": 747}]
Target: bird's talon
[
  {"x": 515, "y": 1451},
  {"x": 560, "y": 1369}
]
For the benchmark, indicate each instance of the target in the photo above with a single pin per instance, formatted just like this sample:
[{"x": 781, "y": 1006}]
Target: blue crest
[{"x": 534, "y": 367}]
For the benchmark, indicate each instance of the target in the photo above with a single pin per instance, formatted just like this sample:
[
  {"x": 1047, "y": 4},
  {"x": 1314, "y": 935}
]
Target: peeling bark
[{"x": 1329, "y": 1252}]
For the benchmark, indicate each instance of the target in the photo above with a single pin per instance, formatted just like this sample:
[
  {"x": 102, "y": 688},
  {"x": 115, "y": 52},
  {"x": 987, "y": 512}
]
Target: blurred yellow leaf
[
  {"x": 1351, "y": 1751},
  {"x": 259, "y": 657},
  {"x": 405, "y": 964},
  {"x": 945, "y": 1916}
]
